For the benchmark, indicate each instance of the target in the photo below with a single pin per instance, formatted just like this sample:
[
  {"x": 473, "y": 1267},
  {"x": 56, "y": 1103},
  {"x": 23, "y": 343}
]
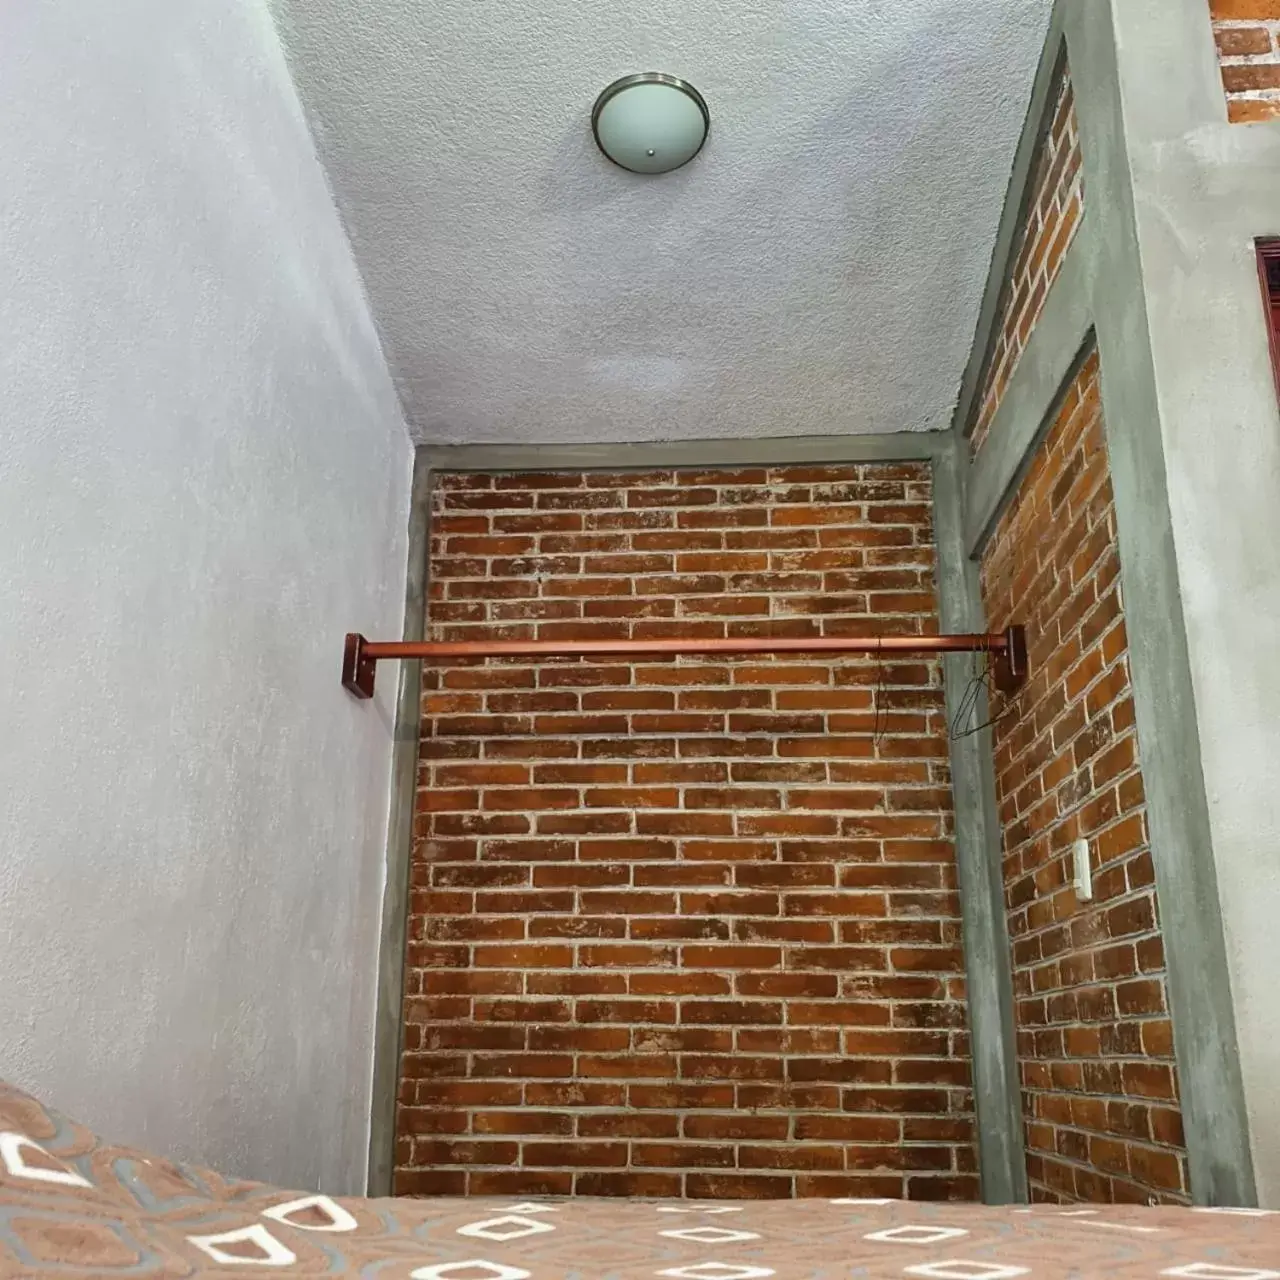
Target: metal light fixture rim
[{"x": 649, "y": 77}]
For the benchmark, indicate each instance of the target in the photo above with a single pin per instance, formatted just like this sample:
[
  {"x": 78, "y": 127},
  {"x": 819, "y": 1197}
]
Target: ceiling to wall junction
[{"x": 816, "y": 270}]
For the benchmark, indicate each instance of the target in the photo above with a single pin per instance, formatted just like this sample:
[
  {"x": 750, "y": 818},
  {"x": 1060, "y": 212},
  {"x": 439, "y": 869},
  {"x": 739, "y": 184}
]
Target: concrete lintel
[
  {"x": 1026, "y": 410},
  {"x": 389, "y": 1014},
  {"x": 989, "y": 982},
  {"x": 1212, "y": 1095},
  {"x": 1016, "y": 208},
  {"x": 901, "y": 446}
]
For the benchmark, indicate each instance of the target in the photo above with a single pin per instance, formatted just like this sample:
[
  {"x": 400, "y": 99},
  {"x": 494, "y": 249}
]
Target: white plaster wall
[{"x": 203, "y": 483}]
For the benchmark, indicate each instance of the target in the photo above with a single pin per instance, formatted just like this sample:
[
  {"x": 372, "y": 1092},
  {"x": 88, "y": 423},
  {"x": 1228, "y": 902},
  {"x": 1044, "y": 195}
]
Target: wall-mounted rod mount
[{"x": 361, "y": 656}]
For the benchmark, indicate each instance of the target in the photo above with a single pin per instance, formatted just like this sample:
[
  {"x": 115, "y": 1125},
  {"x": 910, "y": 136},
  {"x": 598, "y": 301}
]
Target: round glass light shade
[{"x": 650, "y": 123}]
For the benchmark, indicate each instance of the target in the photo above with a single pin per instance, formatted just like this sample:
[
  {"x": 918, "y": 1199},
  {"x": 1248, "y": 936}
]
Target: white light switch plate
[{"x": 1083, "y": 870}]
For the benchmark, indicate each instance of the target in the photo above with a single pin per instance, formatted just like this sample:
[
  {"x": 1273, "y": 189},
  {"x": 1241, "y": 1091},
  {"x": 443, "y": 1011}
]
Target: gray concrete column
[
  {"x": 1192, "y": 440},
  {"x": 988, "y": 961}
]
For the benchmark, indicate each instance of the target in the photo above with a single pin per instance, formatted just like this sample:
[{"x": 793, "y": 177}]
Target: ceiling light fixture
[{"x": 650, "y": 123}]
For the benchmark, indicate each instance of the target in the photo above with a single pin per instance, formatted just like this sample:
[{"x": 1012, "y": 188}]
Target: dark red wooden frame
[{"x": 1269, "y": 275}]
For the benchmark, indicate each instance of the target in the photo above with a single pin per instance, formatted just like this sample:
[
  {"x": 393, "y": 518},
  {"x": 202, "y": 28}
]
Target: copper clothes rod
[{"x": 361, "y": 656}]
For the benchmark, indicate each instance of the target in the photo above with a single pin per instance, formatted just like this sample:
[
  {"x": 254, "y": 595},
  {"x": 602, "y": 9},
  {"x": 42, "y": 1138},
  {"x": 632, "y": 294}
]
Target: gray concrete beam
[
  {"x": 902, "y": 446},
  {"x": 389, "y": 998}
]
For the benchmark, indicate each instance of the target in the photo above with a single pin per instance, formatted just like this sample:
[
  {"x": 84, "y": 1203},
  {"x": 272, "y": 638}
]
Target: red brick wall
[
  {"x": 1056, "y": 210},
  {"x": 1248, "y": 35},
  {"x": 685, "y": 927},
  {"x": 1100, "y": 1090}
]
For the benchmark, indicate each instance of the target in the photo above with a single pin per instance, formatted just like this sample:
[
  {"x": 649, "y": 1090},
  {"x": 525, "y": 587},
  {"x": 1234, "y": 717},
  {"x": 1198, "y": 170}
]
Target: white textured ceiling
[{"x": 816, "y": 270}]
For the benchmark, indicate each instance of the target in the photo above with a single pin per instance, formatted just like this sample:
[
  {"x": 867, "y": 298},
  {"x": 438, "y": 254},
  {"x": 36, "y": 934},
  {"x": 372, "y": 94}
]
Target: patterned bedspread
[{"x": 72, "y": 1206}]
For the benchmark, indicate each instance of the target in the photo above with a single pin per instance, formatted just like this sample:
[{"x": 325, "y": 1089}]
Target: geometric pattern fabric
[{"x": 73, "y": 1206}]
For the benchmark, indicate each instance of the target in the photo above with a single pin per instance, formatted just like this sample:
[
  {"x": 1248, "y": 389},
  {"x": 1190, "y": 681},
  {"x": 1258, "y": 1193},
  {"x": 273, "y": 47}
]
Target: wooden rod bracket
[
  {"x": 358, "y": 669},
  {"x": 1010, "y": 667}
]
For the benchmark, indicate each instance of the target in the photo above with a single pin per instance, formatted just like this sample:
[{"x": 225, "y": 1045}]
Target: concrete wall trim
[
  {"x": 997, "y": 1093},
  {"x": 900, "y": 446},
  {"x": 1206, "y": 1046},
  {"x": 1051, "y": 356},
  {"x": 389, "y": 1014},
  {"x": 1014, "y": 218}
]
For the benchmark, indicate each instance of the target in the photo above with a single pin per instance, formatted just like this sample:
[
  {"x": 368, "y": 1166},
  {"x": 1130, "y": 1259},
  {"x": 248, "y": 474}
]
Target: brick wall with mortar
[
  {"x": 1248, "y": 36},
  {"x": 1100, "y": 1089},
  {"x": 1055, "y": 212},
  {"x": 685, "y": 927}
]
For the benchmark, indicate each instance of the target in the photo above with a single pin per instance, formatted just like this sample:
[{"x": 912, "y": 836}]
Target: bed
[{"x": 71, "y": 1205}]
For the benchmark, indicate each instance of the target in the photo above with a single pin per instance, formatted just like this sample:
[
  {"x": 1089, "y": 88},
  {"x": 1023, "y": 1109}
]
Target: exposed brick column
[{"x": 685, "y": 927}]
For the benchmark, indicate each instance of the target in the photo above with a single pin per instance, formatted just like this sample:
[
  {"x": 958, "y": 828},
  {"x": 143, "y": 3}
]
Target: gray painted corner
[
  {"x": 1013, "y": 218},
  {"x": 989, "y": 981},
  {"x": 901, "y": 446},
  {"x": 388, "y": 1018}
]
